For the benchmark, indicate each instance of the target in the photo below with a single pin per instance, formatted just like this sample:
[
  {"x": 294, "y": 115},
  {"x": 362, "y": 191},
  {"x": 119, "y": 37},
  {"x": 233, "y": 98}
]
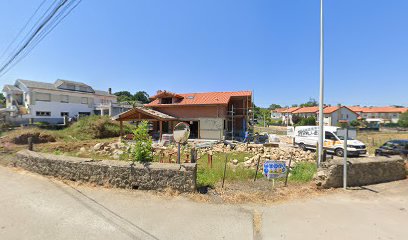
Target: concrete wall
[
  {"x": 361, "y": 172},
  {"x": 121, "y": 174},
  {"x": 211, "y": 128},
  {"x": 194, "y": 112}
]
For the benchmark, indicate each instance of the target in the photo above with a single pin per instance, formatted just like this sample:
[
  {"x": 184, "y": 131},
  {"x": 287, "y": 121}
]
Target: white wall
[{"x": 56, "y": 108}]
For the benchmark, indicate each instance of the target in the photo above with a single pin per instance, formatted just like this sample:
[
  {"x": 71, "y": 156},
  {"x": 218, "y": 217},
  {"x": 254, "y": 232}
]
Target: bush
[
  {"x": 142, "y": 150},
  {"x": 94, "y": 126},
  {"x": 309, "y": 121},
  {"x": 403, "y": 120},
  {"x": 21, "y": 136},
  {"x": 355, "y": 123}
]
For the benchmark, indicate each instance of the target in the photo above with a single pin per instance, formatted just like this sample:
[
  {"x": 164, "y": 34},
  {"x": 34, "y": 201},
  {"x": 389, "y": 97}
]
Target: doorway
[{"x": 194, "y": 129}]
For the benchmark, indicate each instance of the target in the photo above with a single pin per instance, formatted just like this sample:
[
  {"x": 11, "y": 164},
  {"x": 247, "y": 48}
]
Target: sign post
[
  {"x": 181, "y": 133},
  {"x": 275, "y": 169},
  {"x": 345, "y": 159}
]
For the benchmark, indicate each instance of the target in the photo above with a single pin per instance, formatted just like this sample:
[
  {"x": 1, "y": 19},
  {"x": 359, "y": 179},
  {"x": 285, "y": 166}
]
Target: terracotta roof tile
[
  {"x": 378, "y": 109},
  {"x": 208, "y": 98},
  {"x": 307, "y": 110}
]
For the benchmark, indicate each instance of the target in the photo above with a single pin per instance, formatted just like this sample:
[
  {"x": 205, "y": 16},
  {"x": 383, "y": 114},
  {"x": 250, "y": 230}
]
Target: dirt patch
[{"x": 260, "y": 192}]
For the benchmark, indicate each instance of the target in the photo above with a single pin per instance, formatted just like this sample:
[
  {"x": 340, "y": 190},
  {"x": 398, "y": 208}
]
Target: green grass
[
  {"x": 207, "y": 176},
  {"x": 303, "y": 172}
]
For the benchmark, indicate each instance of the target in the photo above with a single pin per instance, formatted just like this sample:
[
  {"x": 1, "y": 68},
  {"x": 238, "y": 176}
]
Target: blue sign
[{"x": 274, "y": 169}]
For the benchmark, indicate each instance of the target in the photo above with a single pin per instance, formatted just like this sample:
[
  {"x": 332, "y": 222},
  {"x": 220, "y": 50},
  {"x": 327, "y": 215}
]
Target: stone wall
[
  {"x": 361, "y": 172},
  {"x": 121, "y": 174}
]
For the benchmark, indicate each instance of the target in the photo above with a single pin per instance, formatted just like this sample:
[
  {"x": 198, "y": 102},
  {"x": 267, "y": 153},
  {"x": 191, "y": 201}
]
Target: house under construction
[{"x": 211, "y": 115}]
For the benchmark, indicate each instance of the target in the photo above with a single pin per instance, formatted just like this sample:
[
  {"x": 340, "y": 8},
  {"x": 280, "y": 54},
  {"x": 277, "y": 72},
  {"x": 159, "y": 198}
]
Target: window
[
  {"x": 329, "y": 136},
  {"x": 83, "y": 89},
  {"x": 84, "y": 100},
  {"x": 83, "y": 114},
  {"x": 64, "y": 98},
  {"x": 64, "y": 114},
  {"x": 43, "y": 97},
  {"x": 166, "y": 101},
  {"x": 43, "y": 114},
  {"x": 70, "y": 86}
]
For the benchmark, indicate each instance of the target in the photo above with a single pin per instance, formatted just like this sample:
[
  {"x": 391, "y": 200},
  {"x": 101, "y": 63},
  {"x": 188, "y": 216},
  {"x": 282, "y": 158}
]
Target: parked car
[{"x": 393, "y": 147}]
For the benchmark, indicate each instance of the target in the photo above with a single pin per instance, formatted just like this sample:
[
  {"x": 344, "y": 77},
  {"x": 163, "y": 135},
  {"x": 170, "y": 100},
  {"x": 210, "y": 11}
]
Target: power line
[
  {"x": 37, "y": 34},
  {"x": 22, "y": 29},
  {"x": 43, "y": 34}
]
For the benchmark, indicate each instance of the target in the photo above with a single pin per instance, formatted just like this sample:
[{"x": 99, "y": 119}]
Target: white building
[
  {"x": 32, "y": 101},
  {"x": 337, "y": 114},
  {"x": 380, "y": 114}
]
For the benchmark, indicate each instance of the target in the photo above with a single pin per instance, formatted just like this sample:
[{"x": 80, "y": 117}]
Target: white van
[{"x": 307, "y": 137}]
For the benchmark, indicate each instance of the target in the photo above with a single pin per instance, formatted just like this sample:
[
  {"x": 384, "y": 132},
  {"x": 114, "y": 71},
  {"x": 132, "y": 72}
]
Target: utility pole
[{"x": 321, "y": 101}]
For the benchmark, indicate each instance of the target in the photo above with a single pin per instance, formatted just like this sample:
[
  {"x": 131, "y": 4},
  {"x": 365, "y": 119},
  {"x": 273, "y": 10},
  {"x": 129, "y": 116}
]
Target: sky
[{"x": 268, "y": 46}]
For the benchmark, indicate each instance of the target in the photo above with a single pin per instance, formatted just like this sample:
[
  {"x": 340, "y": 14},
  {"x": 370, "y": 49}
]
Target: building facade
[
  {"x": 31, "y": 101},
  {"x": 212, "y": 115},
  {"x": 380, "y": 114}
]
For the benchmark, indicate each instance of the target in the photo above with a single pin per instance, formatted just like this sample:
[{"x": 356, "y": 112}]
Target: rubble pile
[{"x": 169, "y": 153}]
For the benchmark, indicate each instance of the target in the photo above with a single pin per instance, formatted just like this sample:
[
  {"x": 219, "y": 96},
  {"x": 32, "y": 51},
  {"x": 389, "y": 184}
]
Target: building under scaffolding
[{"x": 211, "y": 115}]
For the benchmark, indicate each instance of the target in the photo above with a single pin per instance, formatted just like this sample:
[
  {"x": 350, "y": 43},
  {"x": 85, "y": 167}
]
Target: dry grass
[{"x": 374, "y": 140}]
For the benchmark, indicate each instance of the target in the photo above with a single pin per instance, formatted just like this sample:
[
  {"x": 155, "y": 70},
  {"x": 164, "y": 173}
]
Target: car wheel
[
  {"x": 339, "y": 152},
  {"x": 302, "y": 146}
]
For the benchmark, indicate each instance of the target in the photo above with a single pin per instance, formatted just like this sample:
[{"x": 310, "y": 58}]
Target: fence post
[{"x": 30, "y": 143}]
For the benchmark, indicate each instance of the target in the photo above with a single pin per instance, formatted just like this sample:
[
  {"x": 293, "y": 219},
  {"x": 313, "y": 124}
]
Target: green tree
[
  {"x": 274, "y": 106},
  {"x": 141, "y": 151},
  {"x": 124, "y": 96},
  {"x": 2, "y": 100},
  {"x": 142, "y": 97},
  {"x": 309, "y": 121},
  {"x": 355, "y": 123},
  {"x": 311, "y": 103},
  {"x": 403, "y": 120}
]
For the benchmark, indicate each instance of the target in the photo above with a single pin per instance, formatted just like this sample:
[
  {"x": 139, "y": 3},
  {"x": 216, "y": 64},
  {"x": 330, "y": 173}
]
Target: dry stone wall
[
  {"x": 361, "y": 172},
  {"x": 121, "y": 174}
]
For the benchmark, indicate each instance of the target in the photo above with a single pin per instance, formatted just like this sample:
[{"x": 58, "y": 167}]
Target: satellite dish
[{"x": 181, "y": 132}]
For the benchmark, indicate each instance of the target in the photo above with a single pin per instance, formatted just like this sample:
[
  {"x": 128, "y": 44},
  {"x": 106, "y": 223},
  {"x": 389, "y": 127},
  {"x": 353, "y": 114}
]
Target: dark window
[
  {"x": 166, "y": 101},
  {"x": 82, "y": 114},
  {"x": 329, "y": 136},
  {"x": 43, "y": 114},
  {"x": 64, "y": 114}
]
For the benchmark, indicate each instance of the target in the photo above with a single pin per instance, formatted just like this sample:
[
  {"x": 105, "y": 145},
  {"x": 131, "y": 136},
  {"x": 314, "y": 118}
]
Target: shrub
[
  {"x": 94, "y": 126},
  {"x": 38, "y": 136},
  {"x": 403, "y": 120},
  {"x": 141, "y": 151},
  {"x": 355, "y": 123}
]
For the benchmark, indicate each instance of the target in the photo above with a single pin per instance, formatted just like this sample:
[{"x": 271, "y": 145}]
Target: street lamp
[{"x": 321, "y": 100}]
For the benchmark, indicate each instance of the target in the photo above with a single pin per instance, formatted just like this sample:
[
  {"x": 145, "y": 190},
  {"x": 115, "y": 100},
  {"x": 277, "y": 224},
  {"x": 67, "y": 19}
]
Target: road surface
[{"x": 37, "y": 207}]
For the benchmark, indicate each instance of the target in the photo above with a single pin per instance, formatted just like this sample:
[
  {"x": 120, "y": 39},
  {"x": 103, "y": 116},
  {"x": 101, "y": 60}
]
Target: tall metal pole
[
  {"x": 321, "y": 101},
  {"x": 345, "y": 160}
]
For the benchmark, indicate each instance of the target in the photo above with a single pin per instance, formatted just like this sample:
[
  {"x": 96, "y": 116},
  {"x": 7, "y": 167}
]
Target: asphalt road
[{"x": 36, "y": 207}]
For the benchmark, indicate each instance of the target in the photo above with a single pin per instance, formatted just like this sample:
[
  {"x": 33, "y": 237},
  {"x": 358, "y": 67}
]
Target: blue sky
[{"x": 269, "y": 46}]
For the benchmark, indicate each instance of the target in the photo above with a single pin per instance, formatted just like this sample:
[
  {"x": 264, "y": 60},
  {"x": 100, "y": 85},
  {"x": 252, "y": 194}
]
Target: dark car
[{"x": 393, "y": 147}]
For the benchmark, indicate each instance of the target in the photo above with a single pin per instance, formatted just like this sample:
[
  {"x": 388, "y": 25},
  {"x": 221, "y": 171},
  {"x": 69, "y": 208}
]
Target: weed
[{"x": 303, "y": 172}]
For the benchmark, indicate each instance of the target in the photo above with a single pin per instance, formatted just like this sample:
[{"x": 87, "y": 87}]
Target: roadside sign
[
  {"x": 290, "y": 132},
  {"x": 274, "y": 169},
  {"x": 352, "y": 133}
]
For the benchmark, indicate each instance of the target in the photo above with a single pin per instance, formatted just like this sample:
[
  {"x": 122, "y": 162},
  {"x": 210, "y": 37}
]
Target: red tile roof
[
  {"x": 331, "y": 109},
  {"x": 285, "y": 110},
  {"x": 208, "y": 98},
  {"x": 378, "y": 109},
  {"x": 307, "y": 110}
]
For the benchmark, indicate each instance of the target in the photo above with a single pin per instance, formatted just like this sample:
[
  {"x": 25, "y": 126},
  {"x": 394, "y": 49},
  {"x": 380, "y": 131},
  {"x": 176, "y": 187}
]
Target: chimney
[{"x": 110, "y": 90}]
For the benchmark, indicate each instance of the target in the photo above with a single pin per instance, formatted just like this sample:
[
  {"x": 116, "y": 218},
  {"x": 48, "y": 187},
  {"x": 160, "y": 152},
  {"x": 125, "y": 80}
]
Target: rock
[
  {"x": 98, "y": 146},
  {"x": 82, "y": 150},
  {"x": 235, "y": 161}
]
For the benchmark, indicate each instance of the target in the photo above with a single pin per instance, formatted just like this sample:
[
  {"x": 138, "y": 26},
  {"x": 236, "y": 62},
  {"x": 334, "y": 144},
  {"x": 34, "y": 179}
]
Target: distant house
[
  {"x": 211, "y": 115},
  {"x": 333, "y": 115},
  {"x": 283, "y": 114},
  {"x": 306, "y": 112},
  {"x": 337, "y": 114},
  {"x": 379, "y": 114},
  {"x": 32, "y": 101}
]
